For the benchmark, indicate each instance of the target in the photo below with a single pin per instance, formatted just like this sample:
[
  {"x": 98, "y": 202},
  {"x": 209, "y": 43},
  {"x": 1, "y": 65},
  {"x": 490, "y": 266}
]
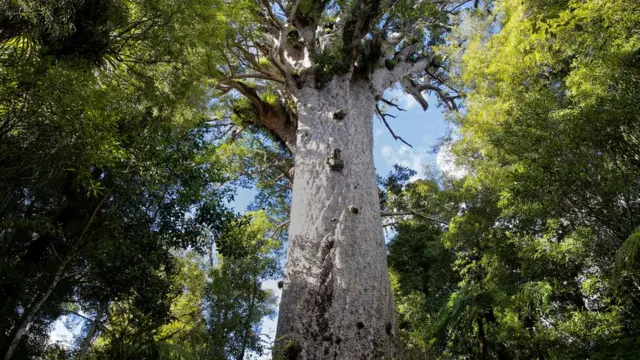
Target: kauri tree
[{"x": 312, "y": 74}]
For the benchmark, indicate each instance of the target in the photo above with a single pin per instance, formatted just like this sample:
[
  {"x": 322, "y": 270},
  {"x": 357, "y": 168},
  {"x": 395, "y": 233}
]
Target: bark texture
[{"x": 337, "y": 301}]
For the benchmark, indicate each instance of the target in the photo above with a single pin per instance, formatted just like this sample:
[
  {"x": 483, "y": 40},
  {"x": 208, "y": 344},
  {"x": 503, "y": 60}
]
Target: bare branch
[
  {"x": 455, "y": 8},
  {"x": 220, "y": 124},
  {"x": 271, "y": 15},
  {"x": 55, "y": 252},
  {"x": 390, "y": 103},
  {"x": 253, "y": 63},
  {"x": 277, "y": 231},
  {"x": 223, "y": 88},
  {"x": 70, "y": 312},
  {"x": 441, "y": 81},
  {"x": 382, "y": 116},
  {"x": 256, "y": 76}
]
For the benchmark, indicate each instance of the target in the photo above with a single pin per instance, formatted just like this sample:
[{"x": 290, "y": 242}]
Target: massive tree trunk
[
  {"x": 337, "y": 301},
  {"x": 330, "y": 63}
]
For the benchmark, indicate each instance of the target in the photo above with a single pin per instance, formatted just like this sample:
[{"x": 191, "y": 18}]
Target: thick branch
[
  {"x": 414, "y": 91},
  {"x": 306, "y": 24},
  {"x": 447, "y": 99},
  {"x": 284, "y": 32},
  {"x": 274, "y": 117},
  {"x": 358, "y": 23},
  {"x": 384, "y": 78},
  {"x": 257, "y": 77}
]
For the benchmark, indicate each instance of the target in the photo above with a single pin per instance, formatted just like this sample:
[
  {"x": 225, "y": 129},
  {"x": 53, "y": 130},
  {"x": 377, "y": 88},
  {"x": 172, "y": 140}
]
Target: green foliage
[
  {"x": 627, "y": 256},
  {"x": 234, "y": 300},
  {"x": 110, "y": 170},
  {"x": 329, "y": 63},
  {"x": 542, "y": 230},
  {"x": 216, "y": 304},
  {"x": 259, "y": 162},
  {"x": 105, "y": 159}
]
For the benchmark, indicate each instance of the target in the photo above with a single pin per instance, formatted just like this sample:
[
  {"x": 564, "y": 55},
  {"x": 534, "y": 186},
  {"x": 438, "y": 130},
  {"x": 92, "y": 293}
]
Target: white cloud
[
  {"x": 61, "y": 334},
  {"x": 446, "y": 161},
  {"x": 403, "y": 155},
  {"x": 66, "y": 329}
]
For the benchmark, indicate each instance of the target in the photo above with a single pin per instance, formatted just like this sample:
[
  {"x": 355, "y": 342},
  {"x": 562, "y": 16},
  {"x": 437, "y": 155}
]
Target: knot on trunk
[
  {"x": 353, "y": 209},
  {"x": 389, "y": 329},
  {"x": 334, "y": 161},
  {"x": 327, "y": 244},
  {"x": 339, "y": 115}
]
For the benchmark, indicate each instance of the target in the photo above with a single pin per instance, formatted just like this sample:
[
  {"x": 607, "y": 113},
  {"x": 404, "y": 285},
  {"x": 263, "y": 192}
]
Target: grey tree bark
[{"x": 337, "y": 301}]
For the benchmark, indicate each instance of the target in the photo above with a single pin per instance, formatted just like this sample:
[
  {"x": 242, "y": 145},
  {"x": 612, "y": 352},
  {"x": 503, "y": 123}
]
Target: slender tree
[{"x": 312, "y": 73}]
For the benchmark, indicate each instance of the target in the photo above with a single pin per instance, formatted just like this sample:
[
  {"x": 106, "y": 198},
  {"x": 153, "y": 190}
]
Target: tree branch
[
  {"x": 382, "y": 116},
  {"x": 284, "y": 32},
  {"x": 414, "y": 91},
  {"x": 448, "y": 100},
  {"x": 256, "y": 76},
  {"x": 357, "y": 24},
  {"x": 272, "y": 116},
  {"x": 271, "y": 15},
  {"x": 384, "y": 78},
  {"x": 390, "y": 103},
  {"x": 413, "y": 213}
]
